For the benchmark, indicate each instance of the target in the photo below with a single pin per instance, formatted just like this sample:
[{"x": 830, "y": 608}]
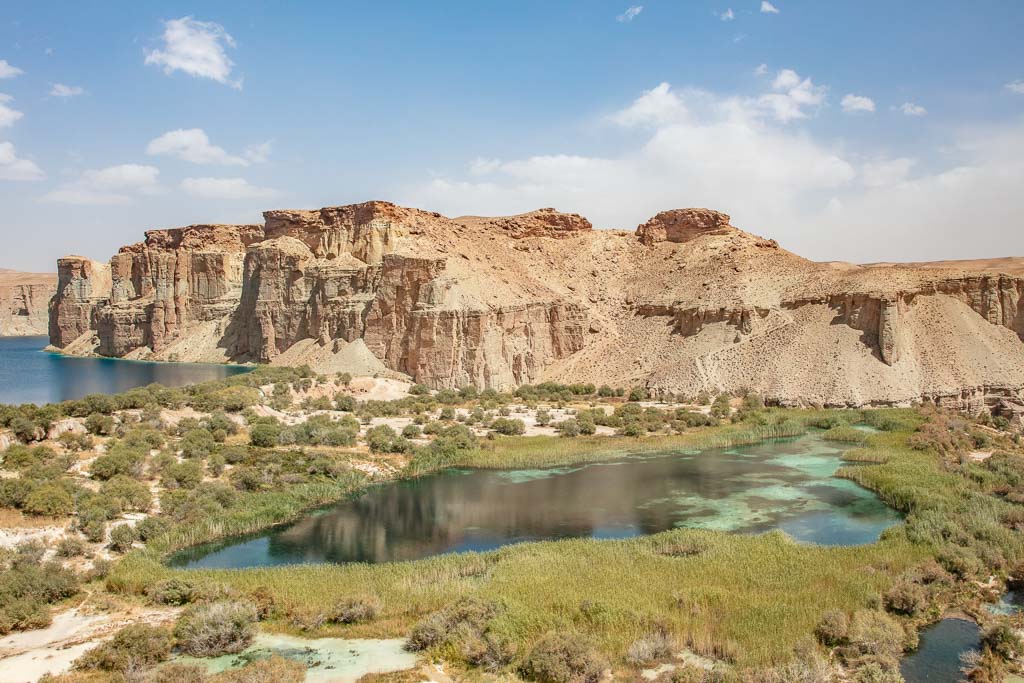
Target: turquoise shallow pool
[
  {"x": 30, "y": 375},
  {"x": 788, "y": 485}
]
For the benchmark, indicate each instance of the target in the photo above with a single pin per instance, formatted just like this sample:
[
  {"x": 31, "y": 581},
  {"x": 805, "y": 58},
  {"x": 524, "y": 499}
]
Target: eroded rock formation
[
  {"x": 24, "y": 299},
  {"x": 685, "y": 303}
]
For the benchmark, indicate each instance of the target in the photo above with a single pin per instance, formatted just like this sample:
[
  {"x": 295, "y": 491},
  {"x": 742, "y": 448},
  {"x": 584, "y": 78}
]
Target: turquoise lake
[
  {"x": 30, "y": 375},
  {"x": 787, "y": 485}
]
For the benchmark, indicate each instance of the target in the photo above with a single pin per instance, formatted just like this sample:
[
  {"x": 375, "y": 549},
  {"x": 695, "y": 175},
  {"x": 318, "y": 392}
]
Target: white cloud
[
  {"x": 727, "y": 15},
  {"x": 61, "y": 90},
  {"x": 885, "y": 172},
  {"x": 808, "y": 192},
  {"x": 224, "y": 188},
  {"x": 14, "y": 168},
  {"x": 768, "y": 8},
  {"x": 630, "y": 14},
  {"x": 258, "y": 153},
  {"x": 481, "y": 166},
  {"x": 108, "y": 186},
  {"x": 761, "y": 70},
  {"x": 1016, "y": 87},
  {"x": 911, "y": 109},
  {"x": 194, "y": 145},
  {"x": 654, "y": 107},
  {"x": 8, "y": 116},
  {"x": 196, "y": 48},
  {"x": 700, "y": 157},
  {"x": 8, "y": 70},
  {"x": 853, "y": 104},
  {"x": 792, "y": 97}
]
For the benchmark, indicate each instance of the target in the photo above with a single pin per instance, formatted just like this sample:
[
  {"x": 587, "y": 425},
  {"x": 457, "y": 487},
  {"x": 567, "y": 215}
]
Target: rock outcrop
[
  {"x": 685, "y": 303},
  {"x": 683, "y": 225},
  {"x": 24, "y": 300}
]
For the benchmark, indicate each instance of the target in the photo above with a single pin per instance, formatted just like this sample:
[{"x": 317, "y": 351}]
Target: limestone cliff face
[
  {"x": 24, "y": 300},
  {"x": 686, "y": 303}
]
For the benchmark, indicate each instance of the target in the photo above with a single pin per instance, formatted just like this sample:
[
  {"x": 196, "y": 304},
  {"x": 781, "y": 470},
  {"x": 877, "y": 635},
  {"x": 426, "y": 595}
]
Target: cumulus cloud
[
  {"x": 1016, "y": 87},
  {"x": 8, "y": 70},
  {"x": 630, "y": 14},
  {"x": 768, "y": 8},
  {"x": 793, "y": 96},
  {"x": 761, "y": 70},
  {"x": 224, "y": 188},
  {"x": 61, "y": 90},
  {"x": 13, "y": 167},
  {"x": 8, "y": 116},
  {"x": 196, "y": 48},
  {"x": 654, "y": 107},
  {"x": 911, "y": 109},
  {"x": 108, "y": 186},
  {"x": 811, "y": 193},
  {"x": 727, "y": 15},
  {"x": 193, "y": 145},
  {"x": 855, "y": 104}
]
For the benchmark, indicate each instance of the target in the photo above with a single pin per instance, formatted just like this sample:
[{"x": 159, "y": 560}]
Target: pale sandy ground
[{"x": 27, "y": 655}]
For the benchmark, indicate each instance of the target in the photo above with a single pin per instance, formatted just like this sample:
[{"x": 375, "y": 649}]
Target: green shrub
[
  {"x": 508, "y": 426},
  {"x": 173, "y": 591},
  {"x": 49, "y": 499},
  {"x": 197, "y": 443},
  {"x": 264, "y": 435},
  {"x": 216, "y": 628},
  {"x": 563, "y": 658},
  {"x": 833, "y": 628},
  {"x": 875, "y": 633},
  {"x": 72, "y": 546},
  {"x": 130, "y": 495},
  {"x": 122, "y": 537},
  {"x": 102, "y": 425},
  {"x": 132, "y": 649},
  {"x": 568, "y": 428}
]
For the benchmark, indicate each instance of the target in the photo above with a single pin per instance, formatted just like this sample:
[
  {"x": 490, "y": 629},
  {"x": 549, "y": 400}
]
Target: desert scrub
[
  {"x": 217, "y": 628},
  {"x": 29, "y": 586},
  {"x": 131, "y": 650},
  {"x": 564, "y": 658}
]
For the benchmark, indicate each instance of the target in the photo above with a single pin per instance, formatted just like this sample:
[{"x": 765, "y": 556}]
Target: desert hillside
[
  {"x": 24, "y": 298},
  {"x": 685, "y": 303}
]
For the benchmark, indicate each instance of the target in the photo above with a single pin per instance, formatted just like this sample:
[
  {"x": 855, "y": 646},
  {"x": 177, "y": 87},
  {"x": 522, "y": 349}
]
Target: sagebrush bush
[
  {"x": 650, "y": 648},
  {"x": 563, "y": 658},
  {"x": 131, "y": 649},
  {"x": 833, "y": 628},
  {"x": 173, "y": 591},
  {"x": 216, "y": 628}
]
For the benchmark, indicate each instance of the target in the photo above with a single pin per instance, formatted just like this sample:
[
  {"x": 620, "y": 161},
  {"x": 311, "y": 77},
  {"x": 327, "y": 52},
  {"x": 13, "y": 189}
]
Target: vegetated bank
[{"x": 567, "y": 609}]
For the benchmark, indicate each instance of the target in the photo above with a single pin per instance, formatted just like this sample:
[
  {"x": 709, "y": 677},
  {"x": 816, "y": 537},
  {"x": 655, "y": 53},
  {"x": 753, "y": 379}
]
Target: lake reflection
[
  {"x": 786, "y": 485},
  {"x": 29, "y": 375}
]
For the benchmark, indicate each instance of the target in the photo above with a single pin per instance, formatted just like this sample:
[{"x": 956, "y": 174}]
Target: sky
[{"x": 859, "y": 131}]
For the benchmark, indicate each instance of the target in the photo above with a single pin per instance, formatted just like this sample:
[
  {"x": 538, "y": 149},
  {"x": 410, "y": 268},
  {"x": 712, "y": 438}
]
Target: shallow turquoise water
[
  {"x": 29, "y": 375},
  {"x": 336, "y": 660},
  {"x": 788, "y": 485}
]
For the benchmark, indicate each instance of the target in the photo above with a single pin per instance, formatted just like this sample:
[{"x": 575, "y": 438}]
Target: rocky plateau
[{"x": 685, "y": 303}]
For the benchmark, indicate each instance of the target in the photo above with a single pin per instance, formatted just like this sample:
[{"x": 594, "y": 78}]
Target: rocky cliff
[
  {"x": 24, "y": 300},
  {"x": 685, "y": 303}
]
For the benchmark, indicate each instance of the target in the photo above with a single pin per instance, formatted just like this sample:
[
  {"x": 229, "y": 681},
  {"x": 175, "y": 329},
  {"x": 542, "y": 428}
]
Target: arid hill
[
  {"x": 686, "y": 303},
  {"x": 24, "y": 298}
]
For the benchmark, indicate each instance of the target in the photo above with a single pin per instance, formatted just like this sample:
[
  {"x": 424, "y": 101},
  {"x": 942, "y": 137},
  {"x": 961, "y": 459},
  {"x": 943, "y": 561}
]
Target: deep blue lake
[{"x": 29, "y": 375}]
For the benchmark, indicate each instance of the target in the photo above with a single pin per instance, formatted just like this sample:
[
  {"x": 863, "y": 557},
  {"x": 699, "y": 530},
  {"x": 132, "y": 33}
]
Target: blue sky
[{"x": 846, "y": 130}]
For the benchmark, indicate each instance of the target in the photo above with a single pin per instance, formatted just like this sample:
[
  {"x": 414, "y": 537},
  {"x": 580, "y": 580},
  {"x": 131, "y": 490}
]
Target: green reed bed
[{"x": 748, "y": 599}]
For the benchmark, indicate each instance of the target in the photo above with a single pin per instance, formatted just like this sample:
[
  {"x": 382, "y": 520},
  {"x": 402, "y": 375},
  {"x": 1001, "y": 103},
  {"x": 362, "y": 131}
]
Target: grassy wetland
[{"x": 245, "y": 453}]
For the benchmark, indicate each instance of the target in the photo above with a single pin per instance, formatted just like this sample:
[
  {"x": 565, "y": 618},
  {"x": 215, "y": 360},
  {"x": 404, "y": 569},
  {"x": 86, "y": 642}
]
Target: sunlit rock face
[
  {"x": 24, "y": 301},
  {"x": 685, "y": 303}
]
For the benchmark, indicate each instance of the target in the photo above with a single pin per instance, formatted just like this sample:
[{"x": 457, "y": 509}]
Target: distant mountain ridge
[{"x": 686, "y": 303}]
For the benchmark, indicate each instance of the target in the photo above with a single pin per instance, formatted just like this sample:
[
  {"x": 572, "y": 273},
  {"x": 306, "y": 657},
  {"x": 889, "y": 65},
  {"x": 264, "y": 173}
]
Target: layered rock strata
[
  {"x": 685, "y": 303},
  {"x": 24, "y": 300}
]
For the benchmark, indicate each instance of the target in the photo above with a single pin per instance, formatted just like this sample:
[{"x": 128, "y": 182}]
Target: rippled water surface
[
  {"x": 30, "y": 375},
  {"x": 787, "y": 485}
]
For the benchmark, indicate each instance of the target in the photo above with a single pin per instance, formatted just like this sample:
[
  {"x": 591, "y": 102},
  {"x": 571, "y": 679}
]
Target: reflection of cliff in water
[{"x": 754, "y": 489}]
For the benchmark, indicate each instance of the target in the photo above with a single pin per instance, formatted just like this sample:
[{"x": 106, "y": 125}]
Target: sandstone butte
[
  {"x": 685, "y": 303},
  {"x": 24, "y": 298}
]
